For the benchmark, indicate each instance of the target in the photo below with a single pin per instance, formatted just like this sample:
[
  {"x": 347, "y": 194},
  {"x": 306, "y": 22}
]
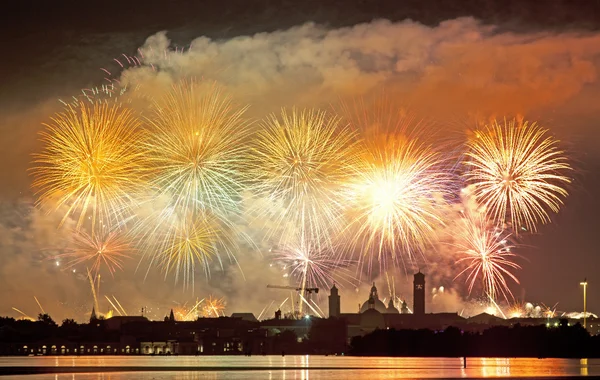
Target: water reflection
[
  {"x": 495, "y": 367},
  {"x": 302, "y": 367},
  {"x": 583, "y": 363}
]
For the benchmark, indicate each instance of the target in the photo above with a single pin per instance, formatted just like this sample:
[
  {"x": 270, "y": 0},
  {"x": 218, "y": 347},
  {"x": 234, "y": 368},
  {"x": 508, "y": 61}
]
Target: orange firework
[
  {"x": 213, "y": 307},
  {"x": 395, "y": 196}
]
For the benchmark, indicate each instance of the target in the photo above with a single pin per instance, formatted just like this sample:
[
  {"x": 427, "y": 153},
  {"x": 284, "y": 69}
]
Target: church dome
[
  {"x": 373, "y": 302},
  {"x": 372, "y": 319},
  {"x": 377, "y": 305},
  {"x": 391, "y": 309}
]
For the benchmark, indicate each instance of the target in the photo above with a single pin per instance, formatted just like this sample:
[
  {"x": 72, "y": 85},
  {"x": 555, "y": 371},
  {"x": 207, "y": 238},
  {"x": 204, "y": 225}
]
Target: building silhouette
[{"x": 334, "y": 302}]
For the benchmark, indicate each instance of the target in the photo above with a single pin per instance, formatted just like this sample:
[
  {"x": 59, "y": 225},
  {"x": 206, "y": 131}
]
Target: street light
[{"x": 584, "y": 283}]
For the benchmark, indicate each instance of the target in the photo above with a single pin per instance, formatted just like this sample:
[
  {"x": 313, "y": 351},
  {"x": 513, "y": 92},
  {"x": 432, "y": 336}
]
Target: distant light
[
  {"x": 73, "y": 270},
  {"x": 57, "y": 263},
  {"x": 307, "y": 316}
]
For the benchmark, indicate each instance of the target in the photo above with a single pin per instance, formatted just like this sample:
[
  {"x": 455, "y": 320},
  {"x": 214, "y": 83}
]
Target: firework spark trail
[
  {"x": 267, "y": 307},
  {"x": 301, "y": 159},
  {"x": 310, "y": 306},
  {"x": 517, "y": 172},
  {"x": 113, "y": 305},
  {"x": 496, "y": 305},
  {"x": 119, "y": 304},
  {"x": 193, "y": 309},
  {"x": 93, "y": 286},
  {"x": 23, "y": 314},
  {"x": 317, "y": 306},
  {"x": 486, "y": 251},
  {"x": 90, "y": 163},
  {"x": 283, "y": 303},
  {"x": 39, "y": 304},
  {"x": 106, "y": 249},
  {"x": 262, "y": 311}
]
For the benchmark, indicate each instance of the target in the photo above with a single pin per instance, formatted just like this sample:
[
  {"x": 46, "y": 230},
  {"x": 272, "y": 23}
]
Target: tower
[
  {"x": 404, "y": 309},
  {"x": 93, "y": 316},
  {"x": 419, "y": 294},
  {"x": 374, "y": 294},
  {"x": 334, "y": 303}
]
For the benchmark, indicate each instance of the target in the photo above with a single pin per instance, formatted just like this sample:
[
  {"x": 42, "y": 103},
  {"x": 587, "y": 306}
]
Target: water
[{"x": 293, "y": 367}]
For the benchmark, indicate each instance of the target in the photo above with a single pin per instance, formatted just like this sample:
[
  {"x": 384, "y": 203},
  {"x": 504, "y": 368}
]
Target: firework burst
[
  {"x": 487, "y": 253},
  {"x": 180, "y": 243},
  {"x": 90, "y": 163},
  {"x": 313, "y": 265},
  {"x": 104, "y": 249},
  {"x": 213, "y": 307},
  {"x": 394, "y": 200},
  {"x": 517, "y": 172},
  {"x": 517, "y": 310},
  {"x": 195, "y": 155},
  {"x": 302, "y": 160},
  {"x": 195, "y": 149}
]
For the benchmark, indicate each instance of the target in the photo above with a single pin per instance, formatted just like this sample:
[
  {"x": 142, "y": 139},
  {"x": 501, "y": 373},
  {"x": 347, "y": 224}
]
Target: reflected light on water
[
  {"x": 495, "y": 367},
  {"x": 297, "y": 367},
  {"x": 583, "y": 363}
]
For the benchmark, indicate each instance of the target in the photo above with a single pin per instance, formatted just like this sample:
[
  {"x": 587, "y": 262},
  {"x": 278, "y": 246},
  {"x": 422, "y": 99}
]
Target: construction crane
[{"x": 308, "y": 291}]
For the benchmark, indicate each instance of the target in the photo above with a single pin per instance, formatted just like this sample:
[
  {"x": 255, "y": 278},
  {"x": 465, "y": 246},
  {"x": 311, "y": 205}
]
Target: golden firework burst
[
  {"x": 90, "y": 163},
  {"x": 517, "y": 172}
]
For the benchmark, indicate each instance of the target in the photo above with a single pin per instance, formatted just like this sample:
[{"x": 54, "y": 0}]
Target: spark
[
  {"x": 93, "y": 287},
  {"x": 182, "y": 313},
  {"x": 517, "y": 172},
  {"x": 487, "y": 253},
  {"x": 90, "y": 163},
  {"x": 213, "y": 307},
  {"x": 39, "y": 304},
  {"x": 517, "y": 310}
]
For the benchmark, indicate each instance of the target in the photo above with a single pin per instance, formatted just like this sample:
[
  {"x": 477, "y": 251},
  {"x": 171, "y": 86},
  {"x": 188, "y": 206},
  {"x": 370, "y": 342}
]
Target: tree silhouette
[
  {"x": 69, "y": 323},
  {"x": 47, "y": 320}
]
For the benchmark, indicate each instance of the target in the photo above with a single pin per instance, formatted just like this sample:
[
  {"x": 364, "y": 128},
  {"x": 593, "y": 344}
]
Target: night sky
[{"x": 454, "y": 59}]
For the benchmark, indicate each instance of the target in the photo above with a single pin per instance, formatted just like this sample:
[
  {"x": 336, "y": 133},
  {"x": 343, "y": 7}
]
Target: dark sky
[{"x": 53, "y": 48}]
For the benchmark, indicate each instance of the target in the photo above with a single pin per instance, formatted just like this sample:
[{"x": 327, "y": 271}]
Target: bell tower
[
  {"x": 419, "y": 294},
  {"x": 334, "y": 303}
]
